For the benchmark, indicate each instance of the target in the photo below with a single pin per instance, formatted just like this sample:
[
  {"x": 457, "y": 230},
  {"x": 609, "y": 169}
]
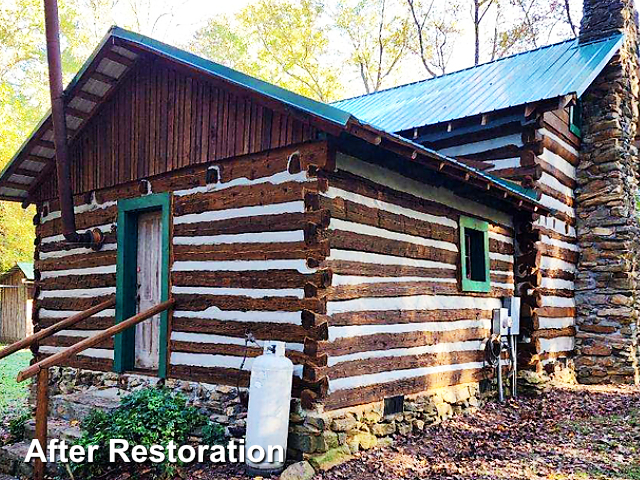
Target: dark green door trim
[{"x": 128, "y": 211}]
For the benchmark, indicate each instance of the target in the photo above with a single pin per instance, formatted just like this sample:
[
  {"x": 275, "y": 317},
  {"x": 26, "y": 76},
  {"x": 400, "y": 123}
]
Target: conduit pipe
[{"x": 95, "y": 237}]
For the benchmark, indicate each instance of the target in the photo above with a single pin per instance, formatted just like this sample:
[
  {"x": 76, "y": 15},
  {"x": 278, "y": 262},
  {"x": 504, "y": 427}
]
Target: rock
[
  {"x": 418, "y": 425},
  {"x": 372, "y": 417},
  {"x": 598, "y": 350},
  {"x": 383, "y": 429},
  {"x": 449, "y": 395},
  {"x": 404, "y": 428},
  {"x": 330, "y": 459},
  {"x": 298, "y": 471},
  {"x": 344, "y": 424},
  {"x": 365, "y": 440}
]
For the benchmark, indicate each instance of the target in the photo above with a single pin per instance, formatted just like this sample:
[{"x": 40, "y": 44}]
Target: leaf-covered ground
[{"x": 577, "y": 433}]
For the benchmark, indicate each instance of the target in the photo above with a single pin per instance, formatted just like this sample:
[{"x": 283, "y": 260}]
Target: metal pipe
[
  {"x": 500, "y": 387},
  {"x": 52, "y": 28}
]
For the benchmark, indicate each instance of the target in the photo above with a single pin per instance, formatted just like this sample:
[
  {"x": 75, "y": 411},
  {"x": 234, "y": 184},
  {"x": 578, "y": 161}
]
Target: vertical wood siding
[
  {"x": 15, "y": 309},
  {"x": 398, "y": 321},
  {"x": 161, "y": 119}
]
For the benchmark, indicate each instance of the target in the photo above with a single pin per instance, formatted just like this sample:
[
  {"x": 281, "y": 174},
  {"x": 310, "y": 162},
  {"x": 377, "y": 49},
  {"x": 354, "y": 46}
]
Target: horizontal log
[
  {"x": 251, "y": 251},
  {"x": 241, "y": 196},
  {"x": 84, "y": 260},
  {"x": 99, "y": 280},
  {"x": 371, "y": 244},
  {"x": 556, "y": 312},
  {"x": 370, "y": 366},
  {"x": 250, "y": 279},
  {"x": 92, "y": 323},
  {"x": 72, "y": 303},
  {"x": 68, "y": 341},
  {"x": 559, "y": 274},
  {"x": 63, "y": 245},
  {"x": 390, "y": 317},
  {"x": 256, "y": 224},
  {"x": 262, "y": 331},
  {"x": 556, "y": 173},
  {"x": 240, "y": 351},
  {"x": 354, "y": 212},
  {"x": 85, "y": 220},
  {"x": 200, "y": 302},
  {"x": 408, "y": 386},
  {"x": 342, "y": 267},
  {"x": 385, "y": 341},
  {"x": 557, "y": 252},
  {"x": 392, "y": 289},
  {"x": 496, "y": 246},
  {"x": 554, "y": 333},
  {"x": 83, "y": 362},
  {"x": 362, "y": 186}
]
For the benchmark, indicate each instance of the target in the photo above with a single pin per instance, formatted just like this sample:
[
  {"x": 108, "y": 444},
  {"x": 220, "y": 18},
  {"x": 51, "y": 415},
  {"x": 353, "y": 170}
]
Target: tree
[
  {"x": 435, "y": 32},
  {"x": 480, "y": 8},
  {"x": 24, "y": 98},
  {"x": 378, "y": 39},
  {"x": 280, "y": 41}
]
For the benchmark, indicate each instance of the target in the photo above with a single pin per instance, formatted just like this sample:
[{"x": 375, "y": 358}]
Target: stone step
[
  {"x": 56, "y": 428},
  {"x": 77, "y": 406},
  {"x": 12, "y": 462}
]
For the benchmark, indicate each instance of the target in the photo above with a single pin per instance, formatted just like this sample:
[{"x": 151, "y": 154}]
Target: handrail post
[{"x": 42, "y": 411}]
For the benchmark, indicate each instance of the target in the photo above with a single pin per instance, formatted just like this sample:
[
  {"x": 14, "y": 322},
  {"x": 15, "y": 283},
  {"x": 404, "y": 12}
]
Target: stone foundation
[
  {"x": 326, "y": 439},
  {"x": 220, "y": 402}
]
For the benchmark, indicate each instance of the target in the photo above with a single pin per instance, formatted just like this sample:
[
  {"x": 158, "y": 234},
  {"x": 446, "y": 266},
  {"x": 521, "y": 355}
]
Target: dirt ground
[{"x": 582, "y": 432}]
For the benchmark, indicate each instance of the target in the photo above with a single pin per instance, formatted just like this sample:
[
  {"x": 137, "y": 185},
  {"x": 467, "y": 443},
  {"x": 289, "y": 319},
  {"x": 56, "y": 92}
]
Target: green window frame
[
  {"x": 128, "y": 211},
  {"x": 474, "y": 255},
  {"x": 575, "y": 119}
]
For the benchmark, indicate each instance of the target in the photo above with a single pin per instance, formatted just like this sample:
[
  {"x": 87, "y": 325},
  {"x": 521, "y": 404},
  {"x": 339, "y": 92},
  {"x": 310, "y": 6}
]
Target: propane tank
[{"x": 269, "y": 402}]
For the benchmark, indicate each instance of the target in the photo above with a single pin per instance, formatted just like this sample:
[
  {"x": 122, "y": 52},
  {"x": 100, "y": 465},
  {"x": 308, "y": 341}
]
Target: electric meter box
[{"x": 512, "y": 304}]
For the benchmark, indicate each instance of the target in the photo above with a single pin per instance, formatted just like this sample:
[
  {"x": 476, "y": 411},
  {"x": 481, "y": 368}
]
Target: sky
[{"x": 189, "y": 15}]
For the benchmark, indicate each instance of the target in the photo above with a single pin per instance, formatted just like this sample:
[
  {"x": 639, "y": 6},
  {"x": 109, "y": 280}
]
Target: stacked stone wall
[{"x": 607, "y": 299}]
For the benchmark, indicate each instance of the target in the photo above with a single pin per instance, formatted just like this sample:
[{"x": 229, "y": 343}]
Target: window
[
  {"x": 575, "y": 119},
  {"x": 474, "y": 255}
]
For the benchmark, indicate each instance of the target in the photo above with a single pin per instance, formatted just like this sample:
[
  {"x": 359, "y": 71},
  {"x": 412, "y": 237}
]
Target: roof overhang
[{"x": 118, "y": 52}]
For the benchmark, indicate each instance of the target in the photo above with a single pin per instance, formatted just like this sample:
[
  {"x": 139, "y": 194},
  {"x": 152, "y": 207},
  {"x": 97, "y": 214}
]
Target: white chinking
[
  {"x": 241, "y": 212},
  {"x": 362, "y": 330},
  {"x": 414, "y": 302},
  {"x": 400, "y": 183},
  {"x": 362, "y": 229},
  {"x": 260, "y": 237},
  {"x": 241, "y": 292},
  {"x": 393, "y": 375},
  {"x": 402, "y": 352},
  {"x": 214, "y": 313}
]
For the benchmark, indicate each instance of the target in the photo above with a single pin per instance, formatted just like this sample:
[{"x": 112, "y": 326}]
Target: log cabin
[
  {"x": 374, "y": 236},
  {"x": 376, "y": 259}
]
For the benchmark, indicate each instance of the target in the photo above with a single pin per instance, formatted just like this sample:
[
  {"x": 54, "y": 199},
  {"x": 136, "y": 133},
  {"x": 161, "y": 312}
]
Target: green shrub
[
  {"x": 16, "y": 426},
  {"x": 152, "y": 416}
]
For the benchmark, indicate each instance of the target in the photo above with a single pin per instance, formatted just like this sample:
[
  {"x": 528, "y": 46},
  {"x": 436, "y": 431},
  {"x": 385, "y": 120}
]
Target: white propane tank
[{"x": 269, "y": 402}]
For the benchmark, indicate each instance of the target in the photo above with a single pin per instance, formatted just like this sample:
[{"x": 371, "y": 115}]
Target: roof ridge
[{"x": 426, "y": 80}]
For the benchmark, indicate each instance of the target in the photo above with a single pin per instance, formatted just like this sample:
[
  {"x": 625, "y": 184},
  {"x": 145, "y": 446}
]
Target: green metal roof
[
  {"x": 27, "y": 269},
  {"x": 545, "y": 73},
  {"x": 336, "y": 116}
]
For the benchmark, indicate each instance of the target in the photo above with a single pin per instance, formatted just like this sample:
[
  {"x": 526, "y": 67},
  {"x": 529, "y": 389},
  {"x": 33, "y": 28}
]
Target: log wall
[
  {"x": 543, "y": 154},
  {"x": 240, "y": 262},
  {"x": 398, "y": 322}
]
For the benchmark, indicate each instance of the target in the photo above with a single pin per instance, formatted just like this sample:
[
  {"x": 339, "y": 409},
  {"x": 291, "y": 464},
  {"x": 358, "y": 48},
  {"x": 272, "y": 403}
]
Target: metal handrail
[
  {"x": 61, "y": 325},
  {"x": 94, "y": 340}
]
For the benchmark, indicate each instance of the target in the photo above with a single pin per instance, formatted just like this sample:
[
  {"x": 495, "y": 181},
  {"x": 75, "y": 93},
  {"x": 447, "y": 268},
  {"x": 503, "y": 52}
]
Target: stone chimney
[
  {"x": 603, "y": 18},
  {"x": 608, "y": 277}
]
